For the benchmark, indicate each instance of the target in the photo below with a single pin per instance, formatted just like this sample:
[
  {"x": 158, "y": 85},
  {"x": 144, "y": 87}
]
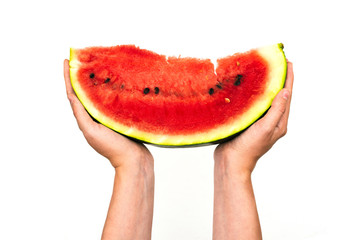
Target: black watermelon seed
[
  {"x": 156, "y": 90},
  {"x": 211, "y": 91},
  {"x": 238, "y": 80},
  {"x": 146, "y": 90},
  {"x": 107, "y": 80},
  {"x": 92, "y": 75},
  {"x": 218, "y": 86}
]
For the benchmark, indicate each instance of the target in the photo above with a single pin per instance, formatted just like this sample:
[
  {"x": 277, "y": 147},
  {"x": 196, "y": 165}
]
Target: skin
[
  {"x": 131, "y": 207},
  {"x": 235, "y": 212}
]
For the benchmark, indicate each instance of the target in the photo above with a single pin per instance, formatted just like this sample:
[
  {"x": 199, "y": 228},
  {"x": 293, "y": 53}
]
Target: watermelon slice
[{"x": 173, "y": 101}]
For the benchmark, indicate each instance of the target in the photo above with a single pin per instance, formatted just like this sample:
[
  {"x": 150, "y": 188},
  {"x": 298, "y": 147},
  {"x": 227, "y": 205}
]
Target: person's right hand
[
  {"x": 243, "y": 151},
  {"x": 120, "y": 150}
]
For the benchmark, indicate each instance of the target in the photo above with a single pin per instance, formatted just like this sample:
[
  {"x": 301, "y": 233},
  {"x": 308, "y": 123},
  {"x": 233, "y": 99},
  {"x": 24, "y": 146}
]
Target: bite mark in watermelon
[{"x": 175, "y": 101}]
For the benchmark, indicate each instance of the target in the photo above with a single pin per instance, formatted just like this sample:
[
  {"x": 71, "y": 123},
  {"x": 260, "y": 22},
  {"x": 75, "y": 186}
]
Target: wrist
[
  {"x": 135, "y": 166},
  {"x": 234, "y": 165}
]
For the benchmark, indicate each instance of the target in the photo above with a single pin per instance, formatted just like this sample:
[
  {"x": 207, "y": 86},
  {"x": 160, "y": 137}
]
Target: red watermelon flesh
[{"x": 175, "y": 101}]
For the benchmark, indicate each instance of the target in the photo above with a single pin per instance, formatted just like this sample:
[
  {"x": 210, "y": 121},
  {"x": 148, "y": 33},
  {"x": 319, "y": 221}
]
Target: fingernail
[{"x": 286, "y": 95}]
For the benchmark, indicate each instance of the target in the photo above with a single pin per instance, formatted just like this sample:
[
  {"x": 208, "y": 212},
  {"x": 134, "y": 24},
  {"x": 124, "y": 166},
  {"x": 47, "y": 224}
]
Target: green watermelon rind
[{"x": 274, "y": 56}]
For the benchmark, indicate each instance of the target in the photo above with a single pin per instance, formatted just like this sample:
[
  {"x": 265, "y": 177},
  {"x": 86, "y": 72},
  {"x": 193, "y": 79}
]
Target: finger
[
  {"x": 277, "y": 110},
  {"x": 82, "y": 117},
  {"x": 69, "y": 89},
  {"x": 282, "y": 124},
  {"x": 289, "y": 86},
  {"x": 289, "y": 77}
]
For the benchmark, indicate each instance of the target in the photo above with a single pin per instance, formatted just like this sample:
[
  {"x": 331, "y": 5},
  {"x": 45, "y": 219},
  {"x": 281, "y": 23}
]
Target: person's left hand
[{"x": 243, "y": 152}]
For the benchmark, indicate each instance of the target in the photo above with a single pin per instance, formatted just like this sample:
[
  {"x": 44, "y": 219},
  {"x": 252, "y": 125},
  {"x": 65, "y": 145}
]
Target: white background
[{"x": 54, "y": 186}]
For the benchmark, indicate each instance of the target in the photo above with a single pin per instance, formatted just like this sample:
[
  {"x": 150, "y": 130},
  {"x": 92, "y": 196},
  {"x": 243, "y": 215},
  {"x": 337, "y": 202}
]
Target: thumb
[
  {"x": 82, "y": 117},
  {"x": 277, "y": 109}
]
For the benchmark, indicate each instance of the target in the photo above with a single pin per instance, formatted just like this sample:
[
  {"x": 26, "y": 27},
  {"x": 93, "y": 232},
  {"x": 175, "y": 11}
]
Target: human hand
[
  {"x": 118, "y": 149},
  {"x": 241, "y": 153}
]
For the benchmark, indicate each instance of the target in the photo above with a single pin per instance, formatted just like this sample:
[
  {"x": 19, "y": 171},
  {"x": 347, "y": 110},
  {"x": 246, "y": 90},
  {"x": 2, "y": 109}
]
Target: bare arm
[
  {"x": 131, "y": 207},
  {"x": 235, "y": 212}
]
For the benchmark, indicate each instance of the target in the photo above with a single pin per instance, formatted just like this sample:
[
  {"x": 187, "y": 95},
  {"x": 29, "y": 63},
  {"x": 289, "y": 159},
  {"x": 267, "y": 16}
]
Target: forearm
[
  {"x": 131, "y": 207},
  {"x": 235, "y": 212}
]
